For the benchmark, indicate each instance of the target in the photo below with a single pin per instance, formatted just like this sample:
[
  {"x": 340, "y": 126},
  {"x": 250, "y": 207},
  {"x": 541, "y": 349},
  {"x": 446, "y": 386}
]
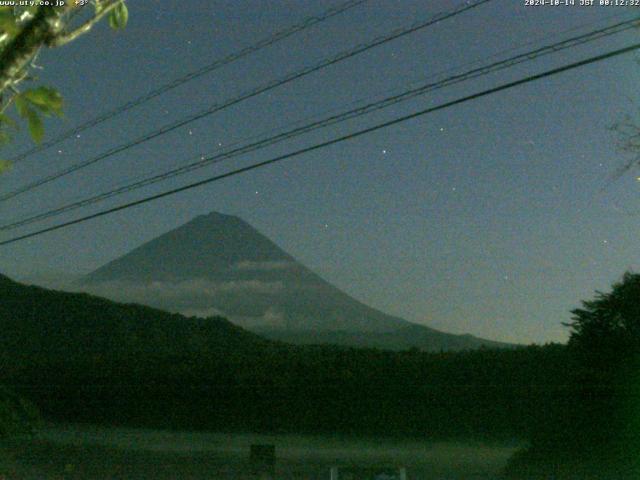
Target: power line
[
  {"x": 262, "y": 89},
  {"x": 216, "y": 64},
  {"x": 327, "y": 143},
  {"x": 333, "y": 119}
]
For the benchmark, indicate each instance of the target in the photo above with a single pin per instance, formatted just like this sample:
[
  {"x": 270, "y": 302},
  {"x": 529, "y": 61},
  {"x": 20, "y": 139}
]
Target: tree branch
[
  {"x": 16, "y": 56},
  {"x": 64, "y": 38},
  {"x": 7, "y": 103}
]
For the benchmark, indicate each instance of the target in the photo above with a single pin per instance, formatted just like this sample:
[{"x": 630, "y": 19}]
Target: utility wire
[
  {"x": 333, "y": 141},
  {"x": 245, "y": 96},
  {"x": 333, "y": 119},
  {"x": 216, "y": 64}
]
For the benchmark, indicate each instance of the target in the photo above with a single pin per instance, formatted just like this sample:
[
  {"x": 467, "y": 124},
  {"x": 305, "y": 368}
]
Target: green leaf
[
  {"x": 119, "y": 17},
  {"x": 36, "y": 128},
  {"x": 5, "y": 165},
  {"x": 8, "y": 22},
  {"x": 47, "y": 100},
  {"x": 21, "y": 105}
]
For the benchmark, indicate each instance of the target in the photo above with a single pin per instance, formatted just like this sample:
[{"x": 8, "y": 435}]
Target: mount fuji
[{"x": 220, "y": 265}]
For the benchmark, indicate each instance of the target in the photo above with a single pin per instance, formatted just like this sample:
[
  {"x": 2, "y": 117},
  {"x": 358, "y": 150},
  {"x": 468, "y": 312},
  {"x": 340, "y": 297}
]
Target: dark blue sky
[{"x": 494, "y": 217}]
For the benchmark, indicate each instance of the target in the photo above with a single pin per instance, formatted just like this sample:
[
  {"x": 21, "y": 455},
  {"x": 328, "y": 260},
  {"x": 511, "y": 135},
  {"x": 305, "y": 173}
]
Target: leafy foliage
[
  {"x": 611, "y": 321},
  {"x": 9, "y": 21},
  {"x": 597, "y": 429},
  {"x": 31, "y": 105},
  {"x": 119, "y": 17},
  {"x": 34, "y": 103}
]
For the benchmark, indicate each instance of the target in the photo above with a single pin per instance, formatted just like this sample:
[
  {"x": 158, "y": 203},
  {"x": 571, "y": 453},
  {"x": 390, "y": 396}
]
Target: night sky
[{"x": 494, "y": 217}]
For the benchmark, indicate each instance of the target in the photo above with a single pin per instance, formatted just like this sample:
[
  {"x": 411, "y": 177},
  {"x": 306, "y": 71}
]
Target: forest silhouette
[{"x": 81, "y": 358}]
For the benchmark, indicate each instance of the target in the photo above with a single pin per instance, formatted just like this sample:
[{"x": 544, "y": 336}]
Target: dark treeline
[
  {"x": 594, "y": 432},
  {"x": 500, "y": 394},
  {"x": 81, "y": 358}
]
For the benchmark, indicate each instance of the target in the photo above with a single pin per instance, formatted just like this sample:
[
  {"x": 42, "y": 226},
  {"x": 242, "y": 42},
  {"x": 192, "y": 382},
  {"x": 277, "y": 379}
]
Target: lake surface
[{"x": 89, "y": 452}]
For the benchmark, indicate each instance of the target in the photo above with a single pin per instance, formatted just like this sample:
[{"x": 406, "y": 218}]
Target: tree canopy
[
  {"x": 611, "y": 321},
  {"x": 593, "y": 429}
]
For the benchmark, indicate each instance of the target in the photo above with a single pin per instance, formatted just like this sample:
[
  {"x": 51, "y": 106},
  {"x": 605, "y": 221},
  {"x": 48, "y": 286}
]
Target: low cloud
[
  {"x": 272, "y": 317},
  {"x": 202, "y": 298},
  {"x": 264, "y": 266},
  {"x": 169, "y": 291},
  {"x": 52, "y": 280}
]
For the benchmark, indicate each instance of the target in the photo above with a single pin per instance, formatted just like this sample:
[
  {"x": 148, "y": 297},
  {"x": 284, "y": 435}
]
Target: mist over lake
[{"x": 82, "y": 451}]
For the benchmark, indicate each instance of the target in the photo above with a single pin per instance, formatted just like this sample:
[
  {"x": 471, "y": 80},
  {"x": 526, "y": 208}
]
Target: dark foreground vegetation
[
  {"x": 84, "y": 359},
  {"x": 594, "y": 432}
]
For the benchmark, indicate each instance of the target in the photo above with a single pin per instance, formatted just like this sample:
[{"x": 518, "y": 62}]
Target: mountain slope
[
  {"x": 403, "y": 338},
  {"x": 42, "y": 327},
  {"x": 220, "y": 264}
]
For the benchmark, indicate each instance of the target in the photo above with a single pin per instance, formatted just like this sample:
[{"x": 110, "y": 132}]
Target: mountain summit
[
  {"x": 208, "y": 247},
  {"x": 219, "y": 264}
]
